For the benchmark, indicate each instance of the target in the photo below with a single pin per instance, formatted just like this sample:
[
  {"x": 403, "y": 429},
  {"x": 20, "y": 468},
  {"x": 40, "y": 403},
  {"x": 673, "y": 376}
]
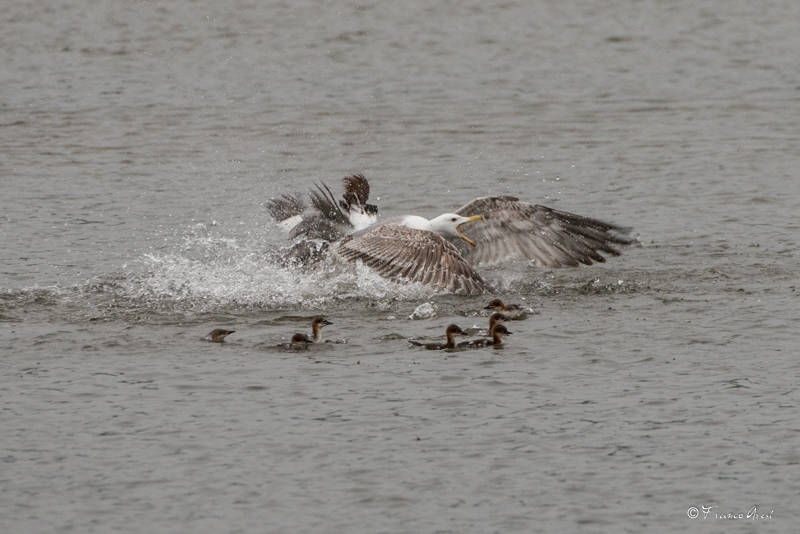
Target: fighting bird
[
  {"x": 414, "y": 249},
  {"x": 437, "y": 252},
  {"x": 326, "y": 219}
]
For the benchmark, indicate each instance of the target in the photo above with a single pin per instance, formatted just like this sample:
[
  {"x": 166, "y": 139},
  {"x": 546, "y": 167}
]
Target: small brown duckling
[
  {"x": 511, "y": 311},
  {"x": 496, "y": 341},
  {"x": 316, "y": 332},
  {"x": 494, "y": 320},
  {"x": 218, "y": 335},
  {"x": 451, "y": 331},
  {"x": 300, "y": 340}
]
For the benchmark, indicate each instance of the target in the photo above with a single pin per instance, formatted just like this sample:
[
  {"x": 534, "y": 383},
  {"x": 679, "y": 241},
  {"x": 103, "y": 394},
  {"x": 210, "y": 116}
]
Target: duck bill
[{"x": 469, "y": 220}]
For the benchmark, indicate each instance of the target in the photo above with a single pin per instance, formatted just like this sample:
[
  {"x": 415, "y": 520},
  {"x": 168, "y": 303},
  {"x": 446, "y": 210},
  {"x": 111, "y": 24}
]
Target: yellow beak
[{"x": 469, "y": 220}]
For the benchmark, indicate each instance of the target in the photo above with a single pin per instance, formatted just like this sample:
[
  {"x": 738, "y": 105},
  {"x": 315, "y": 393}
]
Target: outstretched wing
[
  {"x": 326, "y": 221},
  {"x": 284, "y": 207},
  {"x": 408, "y": 255},
  {"x": 324, "y": 201},
  {"x": 511, "y": 229}
]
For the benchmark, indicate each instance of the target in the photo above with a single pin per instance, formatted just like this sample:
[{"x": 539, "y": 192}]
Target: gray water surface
[{"x": 139, "y": 141}]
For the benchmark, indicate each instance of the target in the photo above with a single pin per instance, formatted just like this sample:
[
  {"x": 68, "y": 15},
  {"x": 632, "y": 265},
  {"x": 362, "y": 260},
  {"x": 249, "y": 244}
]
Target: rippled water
[{"x": 139, "y": 141}]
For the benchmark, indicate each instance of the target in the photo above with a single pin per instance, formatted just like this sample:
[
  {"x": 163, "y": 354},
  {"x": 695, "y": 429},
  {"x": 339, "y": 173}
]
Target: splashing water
[
  {"x": 226, "y": 271},
  {"x": 426, "y": 310},
  {"x": 207, "y": 272}
]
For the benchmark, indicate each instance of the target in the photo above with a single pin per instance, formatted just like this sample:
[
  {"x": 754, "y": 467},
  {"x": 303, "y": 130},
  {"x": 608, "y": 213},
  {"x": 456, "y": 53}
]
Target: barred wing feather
[
  {"x": 408, "y": 255},
  {"x": 512, "y": 229}
]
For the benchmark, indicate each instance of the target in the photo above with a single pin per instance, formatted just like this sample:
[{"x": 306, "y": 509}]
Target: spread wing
[
  {"x": 323, "y": 200},
  {"x": 408, "y": 255},
  {"x": 552, "y": 238},
  {"x": 325, "y": 221},
  {"x": 284, "y": 207},
  {"x": 325, "y": 218}
]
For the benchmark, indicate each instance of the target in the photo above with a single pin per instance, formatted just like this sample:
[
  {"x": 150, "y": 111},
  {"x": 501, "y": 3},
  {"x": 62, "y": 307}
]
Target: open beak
[{"x": 469, "y": 220}]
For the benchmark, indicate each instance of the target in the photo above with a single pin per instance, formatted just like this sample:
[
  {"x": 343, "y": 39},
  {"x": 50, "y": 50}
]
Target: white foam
[
  {"x": 213, "y": 271},
  {"x": 426, "y": 310},
  {"x": 290, "y": 222}
]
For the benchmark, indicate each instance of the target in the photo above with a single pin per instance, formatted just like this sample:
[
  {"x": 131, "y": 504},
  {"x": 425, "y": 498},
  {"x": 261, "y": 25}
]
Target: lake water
[{"x": 139, "y": 141}]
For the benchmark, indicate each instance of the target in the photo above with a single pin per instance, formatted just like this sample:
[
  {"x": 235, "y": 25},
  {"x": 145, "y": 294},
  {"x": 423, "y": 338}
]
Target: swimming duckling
[
  {"x": 316, "y": 330},
  {"x": 218, "y": 335},
  {"x": 496, "y": 341},
  {"x": 302, "y": 341},
  {"x": 494, "y": 320},
  {"x": 511, "y": 311},
  {"x": 451, "y": 331}
]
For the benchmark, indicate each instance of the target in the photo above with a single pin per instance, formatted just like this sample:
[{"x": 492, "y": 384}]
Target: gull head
[{"x": 450, "y": 224}]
